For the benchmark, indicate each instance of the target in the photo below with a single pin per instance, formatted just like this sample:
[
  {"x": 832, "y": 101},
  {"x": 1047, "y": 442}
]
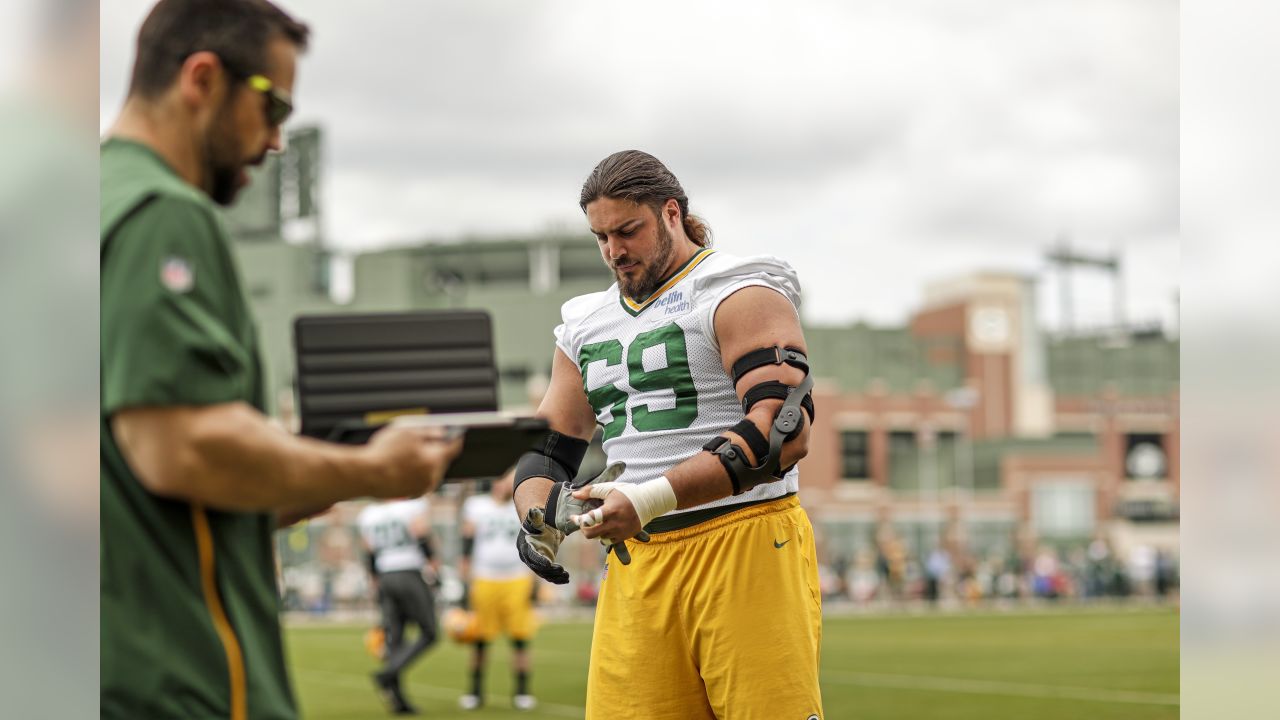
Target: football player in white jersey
[
  {"x": 694, "y": 364},
  {"x": 500, "y": 589},
  {"x": 396, "y": 536}
]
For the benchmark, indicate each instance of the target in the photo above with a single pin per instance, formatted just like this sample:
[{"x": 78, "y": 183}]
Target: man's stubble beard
[
  {"x": 222, "y": 157},
  {"x": 654, "y": 272}
]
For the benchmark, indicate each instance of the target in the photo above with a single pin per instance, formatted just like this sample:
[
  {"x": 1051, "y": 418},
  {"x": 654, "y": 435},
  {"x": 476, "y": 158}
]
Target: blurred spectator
[
  {"x": 937, "y": 569},
  {"x": 587, "y": 591},
  {"x": 828, "y": 581},
  {"x": 840, "y": 566},
  {"x": 882, "y": 569},
  {"x": 1166, "y": 573},
  {"x": 1097, "y": 569},
  {"x": 1142, "y": 568},
  {"x": 865, "y": 578},
  {"x": 1044, "y": 571}
]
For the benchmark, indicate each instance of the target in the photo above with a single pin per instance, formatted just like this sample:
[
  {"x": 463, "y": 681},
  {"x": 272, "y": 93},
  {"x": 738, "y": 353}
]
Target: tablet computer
[
  {"x": 356, "y": 372},
  {"x": 491, "y": 442}
]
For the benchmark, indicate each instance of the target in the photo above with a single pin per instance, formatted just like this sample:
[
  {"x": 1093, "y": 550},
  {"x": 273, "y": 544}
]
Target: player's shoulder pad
[
  {"x": 575, "y": 311},
  {"x": 722, "y": 271}
]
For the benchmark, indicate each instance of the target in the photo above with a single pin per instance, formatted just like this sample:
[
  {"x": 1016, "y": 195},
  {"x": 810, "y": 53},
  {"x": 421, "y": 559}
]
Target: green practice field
[{"x": 1051, "y": 665}]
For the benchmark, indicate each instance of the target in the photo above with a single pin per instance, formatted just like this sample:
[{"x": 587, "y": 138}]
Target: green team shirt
[{"x": 190, "y": 612}]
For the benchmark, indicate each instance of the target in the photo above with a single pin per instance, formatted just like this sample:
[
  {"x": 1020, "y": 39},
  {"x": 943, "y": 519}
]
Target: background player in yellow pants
[{"x": 501, "y": 589}]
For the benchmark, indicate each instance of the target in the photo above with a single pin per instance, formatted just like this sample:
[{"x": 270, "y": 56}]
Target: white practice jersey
[
  {"x": 494, "y": 556},
  {"x": 387, "y": 528},
  {"x": 653, "y": 371}
]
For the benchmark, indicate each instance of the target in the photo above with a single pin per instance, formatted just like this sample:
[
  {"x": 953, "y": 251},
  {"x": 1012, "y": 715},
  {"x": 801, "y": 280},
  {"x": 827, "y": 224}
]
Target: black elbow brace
[
  {"x": 558, "y": 458},
  {"x": 787, "y": 424},
  {"x": 468, "y": 545}
]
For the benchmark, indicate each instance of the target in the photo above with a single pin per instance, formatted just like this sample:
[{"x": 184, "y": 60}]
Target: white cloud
[{"x": 876, "y": 145}]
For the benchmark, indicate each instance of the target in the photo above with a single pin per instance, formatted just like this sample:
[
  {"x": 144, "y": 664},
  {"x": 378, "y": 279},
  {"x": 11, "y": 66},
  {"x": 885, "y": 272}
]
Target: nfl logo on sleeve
[{"x": 177, "y": 274}]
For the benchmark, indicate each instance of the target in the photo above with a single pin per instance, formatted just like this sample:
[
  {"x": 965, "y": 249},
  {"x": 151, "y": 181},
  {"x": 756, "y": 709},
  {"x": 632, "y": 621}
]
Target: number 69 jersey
[{"x": 652, "y": 369}]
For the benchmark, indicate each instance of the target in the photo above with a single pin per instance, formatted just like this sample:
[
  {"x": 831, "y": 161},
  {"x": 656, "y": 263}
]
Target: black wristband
[{"x": 553, "y": 499}]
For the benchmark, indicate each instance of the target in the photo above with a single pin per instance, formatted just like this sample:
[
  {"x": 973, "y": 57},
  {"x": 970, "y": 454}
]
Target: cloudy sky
[{"x": 876, "y": 145}]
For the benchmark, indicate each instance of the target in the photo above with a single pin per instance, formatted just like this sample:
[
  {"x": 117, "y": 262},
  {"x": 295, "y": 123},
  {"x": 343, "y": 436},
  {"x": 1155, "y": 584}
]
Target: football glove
[
  {"x": 544, "y": 528},
  {"x": 562, "y": 505},
  {"x": 538, "y": 544}
]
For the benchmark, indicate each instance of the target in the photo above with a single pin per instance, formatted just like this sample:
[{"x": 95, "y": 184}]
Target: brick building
[{"x": 971, "y": 430}]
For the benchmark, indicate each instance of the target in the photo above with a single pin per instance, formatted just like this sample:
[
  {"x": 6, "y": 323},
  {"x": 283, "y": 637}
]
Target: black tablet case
[{"x": 353, "y": 367}]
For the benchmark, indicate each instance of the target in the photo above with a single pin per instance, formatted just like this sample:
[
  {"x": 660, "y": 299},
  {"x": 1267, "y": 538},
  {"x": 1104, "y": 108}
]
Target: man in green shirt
[{"x": 193, "y": 477}]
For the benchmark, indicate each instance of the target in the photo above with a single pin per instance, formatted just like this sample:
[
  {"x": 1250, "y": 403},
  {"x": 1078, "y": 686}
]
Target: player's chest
[
  {"x": 633, "y": 352},
  {"x": 648, "y": 373}
]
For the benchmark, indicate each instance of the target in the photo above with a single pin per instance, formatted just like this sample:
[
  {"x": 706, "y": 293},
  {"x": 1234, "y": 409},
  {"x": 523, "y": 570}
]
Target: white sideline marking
[
  {"x": 331, "y": 677},
  {"x": 996, "y": 687}
]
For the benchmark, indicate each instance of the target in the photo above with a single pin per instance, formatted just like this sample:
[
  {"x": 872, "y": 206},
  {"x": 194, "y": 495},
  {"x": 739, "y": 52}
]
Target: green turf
[{"x": 1048, "y": 666}]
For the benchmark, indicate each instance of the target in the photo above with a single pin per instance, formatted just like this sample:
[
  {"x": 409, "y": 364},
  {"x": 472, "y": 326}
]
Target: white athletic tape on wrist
[{"x": 651, "y": 499}]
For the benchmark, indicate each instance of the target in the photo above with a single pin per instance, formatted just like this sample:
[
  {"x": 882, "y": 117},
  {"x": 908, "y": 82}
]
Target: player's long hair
[{"x": 642, "y": 178}]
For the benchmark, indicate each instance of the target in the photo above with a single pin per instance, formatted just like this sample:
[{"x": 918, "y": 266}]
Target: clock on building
[{"x": 989, "y": 329}]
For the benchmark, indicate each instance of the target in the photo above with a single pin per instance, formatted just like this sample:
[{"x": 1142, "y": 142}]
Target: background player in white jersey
[
  {"x": 500, "y": 589},
  {"x": 396, "y": 536},
  {"x": 694, "y": 364}
]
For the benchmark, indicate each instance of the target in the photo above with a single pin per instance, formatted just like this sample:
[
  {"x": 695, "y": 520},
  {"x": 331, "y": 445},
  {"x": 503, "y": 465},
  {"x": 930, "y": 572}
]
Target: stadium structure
[{"x": 968, "y": 429}]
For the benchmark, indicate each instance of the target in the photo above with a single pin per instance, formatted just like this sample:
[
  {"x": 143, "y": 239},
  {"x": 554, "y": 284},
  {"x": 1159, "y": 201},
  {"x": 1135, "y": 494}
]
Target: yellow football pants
[
  {"x": 504, "y": 606},
  {"x": 719, "y": 620}
]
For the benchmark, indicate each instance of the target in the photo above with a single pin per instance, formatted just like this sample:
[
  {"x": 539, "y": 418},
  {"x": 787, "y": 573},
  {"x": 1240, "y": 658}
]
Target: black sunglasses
[{"x": 279, "y": 103}]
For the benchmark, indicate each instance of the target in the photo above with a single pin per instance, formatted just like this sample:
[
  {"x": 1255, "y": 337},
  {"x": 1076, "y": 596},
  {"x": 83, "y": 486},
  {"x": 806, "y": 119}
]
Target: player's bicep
[
  {"x": 565, "y": 405},
  {"x": 758, "y": 317}
]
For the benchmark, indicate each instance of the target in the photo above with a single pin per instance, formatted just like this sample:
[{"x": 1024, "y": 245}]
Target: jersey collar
[{"x": 634, "y": 308}]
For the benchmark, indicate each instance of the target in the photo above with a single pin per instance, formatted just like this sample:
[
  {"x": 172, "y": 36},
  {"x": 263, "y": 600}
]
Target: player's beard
[
  {"x": 222, "y": 158},
  {"x": 654, "y": 271}
]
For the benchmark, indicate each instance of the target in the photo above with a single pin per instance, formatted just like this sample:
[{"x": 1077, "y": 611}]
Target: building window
[
  {"x": 853, "y": 445},
  {"x": 943, "y": 461},
  {"x": 916, "y": 466},
  {"x": 904, "y": 461},
  {"x": 1063, "y": 509},
  {"x": 847, "y": 537}
]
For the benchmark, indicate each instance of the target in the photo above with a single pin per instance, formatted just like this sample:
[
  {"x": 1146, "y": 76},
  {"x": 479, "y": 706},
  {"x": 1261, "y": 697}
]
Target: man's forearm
[
  {"x": 532, "y": 492},
  {"x": 267, "y": 468},
  {"x": 233, "y": 459},
  {"x": 698, "y": 480},
  {"x": 702, "y": 478}
]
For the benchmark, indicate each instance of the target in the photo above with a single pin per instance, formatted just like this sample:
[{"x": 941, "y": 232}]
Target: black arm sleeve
[{"x": 558, "y": 458}]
